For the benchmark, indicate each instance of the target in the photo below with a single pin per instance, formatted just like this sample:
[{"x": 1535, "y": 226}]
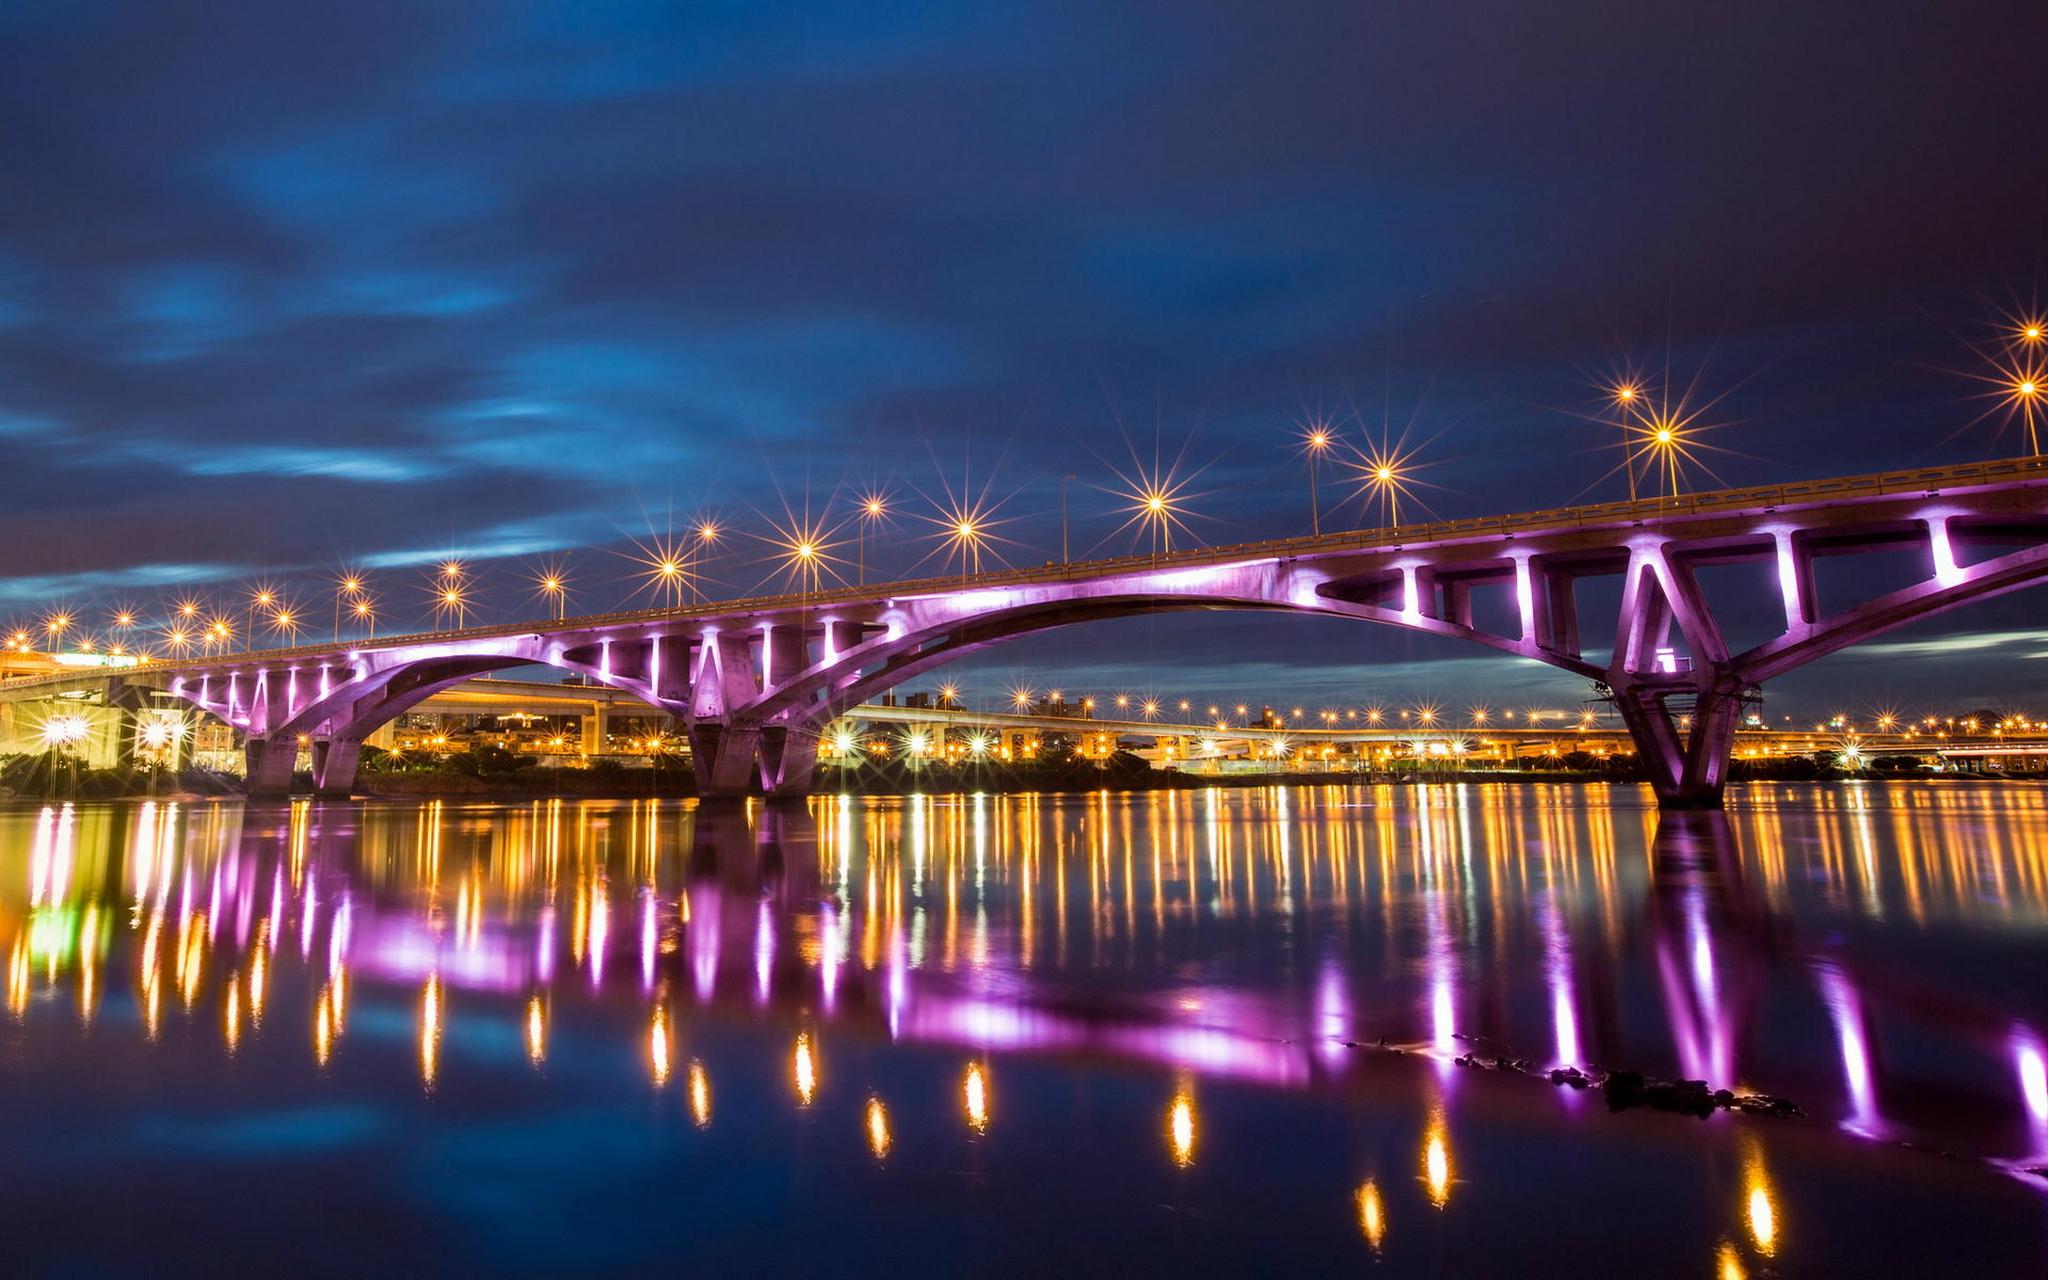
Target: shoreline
[{"x": 465, "y": 787}]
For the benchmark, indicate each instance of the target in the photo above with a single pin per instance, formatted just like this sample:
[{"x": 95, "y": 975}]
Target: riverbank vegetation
[{"x": 487, "y": 770}]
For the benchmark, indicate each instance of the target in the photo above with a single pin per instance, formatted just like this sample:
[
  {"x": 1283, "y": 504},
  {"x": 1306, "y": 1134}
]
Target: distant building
[{"x": 1051, "y": 706}]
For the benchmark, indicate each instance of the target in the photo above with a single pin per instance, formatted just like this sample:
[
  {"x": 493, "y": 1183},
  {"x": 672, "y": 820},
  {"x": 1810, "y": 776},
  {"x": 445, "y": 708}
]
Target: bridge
[{"x": 754, "y": 682}]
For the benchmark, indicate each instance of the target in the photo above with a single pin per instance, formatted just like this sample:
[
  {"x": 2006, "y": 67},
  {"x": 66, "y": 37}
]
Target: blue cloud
[
  {"x": 368, "y": 465},
  {"x": 40, "y": 589}
]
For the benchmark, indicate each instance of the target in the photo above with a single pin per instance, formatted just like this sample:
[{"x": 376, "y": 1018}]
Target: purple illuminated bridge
[{"x": 753, "y": 682}]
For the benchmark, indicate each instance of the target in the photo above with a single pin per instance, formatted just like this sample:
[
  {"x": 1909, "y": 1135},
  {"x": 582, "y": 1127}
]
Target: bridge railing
[{"x": 1803, "y": 493}]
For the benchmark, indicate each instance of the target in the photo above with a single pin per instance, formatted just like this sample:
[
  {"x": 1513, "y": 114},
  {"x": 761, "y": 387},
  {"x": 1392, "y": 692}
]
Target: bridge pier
[
  {"x": 334, "y": 767},
  {"x": 269, "y": 765},
  {"x": 731, "y": 759},
  {"x": 789, "y": 759},
  {"x": 724, "y": 758},
  {"x": 1688, "y": 769}
]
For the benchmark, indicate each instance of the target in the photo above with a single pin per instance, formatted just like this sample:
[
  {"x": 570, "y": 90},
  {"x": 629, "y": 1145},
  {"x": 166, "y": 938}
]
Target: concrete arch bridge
[{"x": 753, "y": 682}]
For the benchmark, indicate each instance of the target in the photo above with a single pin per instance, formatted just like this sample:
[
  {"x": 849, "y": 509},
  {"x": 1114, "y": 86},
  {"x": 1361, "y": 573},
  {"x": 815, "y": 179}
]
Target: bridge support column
[
  {"x": 596, "y": 728},
  {"x": 1687, "y": 769},
  {"x": 724, "y": 757},
  {"x": 334, "y": 767},
  {"x": 789, "y": 759},
  {"x": 270, "y": 763}
]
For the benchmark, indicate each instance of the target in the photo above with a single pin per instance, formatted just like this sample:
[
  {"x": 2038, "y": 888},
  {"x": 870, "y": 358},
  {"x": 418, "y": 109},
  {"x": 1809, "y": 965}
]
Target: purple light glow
[
  {"x": 764, "y": 951},
  {"x": 1525, "y": 598},
  {"x": 1946, "y": 571},
  {"x": 2028, "y": 1058},
  {"x": 408, "y": 951},
  {"x": 1847, "y": 1013}
]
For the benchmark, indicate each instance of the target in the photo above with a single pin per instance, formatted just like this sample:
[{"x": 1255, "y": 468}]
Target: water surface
[{"x": 1150, "y": 1032}]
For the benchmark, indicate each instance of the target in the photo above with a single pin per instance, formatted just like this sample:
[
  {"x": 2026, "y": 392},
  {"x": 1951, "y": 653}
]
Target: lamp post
[
  {"x": 1625, "y": 395},
  {"x": 1317, "y": 442},
  {"x": 348, "y": 587},
  {"x": 1064, "y": 478},
  {"x": 707, "y": 532},
  {"x": 872, "y": 509},
  {"x": 262, "y": 598}
]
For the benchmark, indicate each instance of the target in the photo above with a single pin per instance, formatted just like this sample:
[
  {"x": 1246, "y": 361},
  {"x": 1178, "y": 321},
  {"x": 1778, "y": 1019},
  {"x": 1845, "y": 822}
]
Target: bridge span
[{"x": 755, "y": 682}]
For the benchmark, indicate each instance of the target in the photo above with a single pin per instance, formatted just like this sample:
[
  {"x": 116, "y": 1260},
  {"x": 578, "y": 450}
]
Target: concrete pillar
[
  {"x": 669, "y": 661},
  {"x": 269, "y": 764},
  {"x": 789, "y": 759},
  {"x": 334, "y": 767},
  {"x": 1458, "y": 602},
  {"x": 113, "y": 739},
  {"x": 1795, "y": 582},
  {"x": 1689, "y": 772},
  {"x": 725, "y": 757},
  {"x": 596, "y": 728},
  {"x": 725, "y": 677},
  {"x": 783, "y": 655},
  {"x": 1559, "y": 616},
  {"x": 839, "y": 636}
]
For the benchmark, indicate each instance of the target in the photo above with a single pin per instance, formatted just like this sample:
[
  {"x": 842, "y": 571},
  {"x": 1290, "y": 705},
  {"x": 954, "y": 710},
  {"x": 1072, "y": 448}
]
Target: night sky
[{"x": 282, "y": 289}]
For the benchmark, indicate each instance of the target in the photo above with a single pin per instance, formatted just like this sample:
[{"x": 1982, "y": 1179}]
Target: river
[{"x": 1215, "y": 1030}]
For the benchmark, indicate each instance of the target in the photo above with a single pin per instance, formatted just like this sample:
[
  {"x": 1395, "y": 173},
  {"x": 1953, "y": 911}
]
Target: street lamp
[
  {"x": 348, "y": 587},
  {"x": 1624, "y": 396},
  {"x": 707, "y": 534},
  {"x": 551, "y": 584},
  {"x": 1316, "y": 441},
  {"x": 264, "y": 598},
  {"x": 873, "y": 509}
]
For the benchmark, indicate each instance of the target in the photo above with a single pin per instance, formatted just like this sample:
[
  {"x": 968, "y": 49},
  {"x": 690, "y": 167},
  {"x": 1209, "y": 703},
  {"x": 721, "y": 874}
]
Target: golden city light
[
  {"x": 974, "y": 1097},
  {"x": 804, "y": 1070},
  {"x": 700, "y": 1094},
  {"x": 430, "y": 1029},
  {"x": 1180, "y": 1127},
  {"x": 1372, "y": 1214},
  {"x": 1436, "y": 1161},
  {"x": 658, "y": 1046},
  {"x": 877, "y": 1125}
]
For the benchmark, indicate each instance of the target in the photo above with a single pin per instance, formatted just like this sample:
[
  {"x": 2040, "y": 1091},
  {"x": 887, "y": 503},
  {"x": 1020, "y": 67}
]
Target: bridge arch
[
  {"x": 791, "y": 716},
  {"x": 378, "y": 687}
]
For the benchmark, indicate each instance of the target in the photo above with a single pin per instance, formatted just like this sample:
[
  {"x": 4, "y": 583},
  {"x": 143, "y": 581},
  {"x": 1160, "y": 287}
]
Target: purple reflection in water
[
  {"x": 764, "y": 950},
  {"x": 1558, "y": 962},
  {"x": 410, "y": 951},
  {"x": 1000, "y": 1026},
  {"x": 600, "y": 933},
  {"x": 2033, "y": 1070},
  {"x": 650, "y": 939},
  {"x": 829, "y": 955},
  {"x": 544, "y": 945},
  {"x": 705, "y": 906},
  {"x": 1699, "y": 1024},
  {"x": 1847, "y": 1012},
  {"x": 1333, "y": 1023}
]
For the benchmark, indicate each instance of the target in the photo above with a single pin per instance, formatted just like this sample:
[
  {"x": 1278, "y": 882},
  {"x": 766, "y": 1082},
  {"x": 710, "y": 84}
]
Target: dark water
[{"x": 1077, "y": 1034}]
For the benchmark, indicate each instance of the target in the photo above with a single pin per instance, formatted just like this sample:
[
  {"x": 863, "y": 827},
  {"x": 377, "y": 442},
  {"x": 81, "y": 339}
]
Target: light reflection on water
[{"x": 1852, "y": 948}]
